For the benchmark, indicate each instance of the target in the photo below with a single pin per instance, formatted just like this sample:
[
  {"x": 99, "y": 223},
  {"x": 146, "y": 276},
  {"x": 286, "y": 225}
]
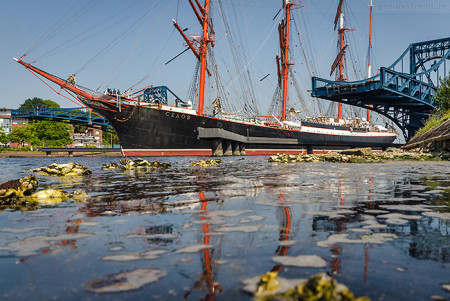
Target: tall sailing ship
[{"x": 147, "y": 124}]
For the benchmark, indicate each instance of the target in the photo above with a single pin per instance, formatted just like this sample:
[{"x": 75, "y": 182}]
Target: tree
[
  {"x": 52, "y": 133},
  {"x": 109, "y": 137},
  {"x": 443, "y": 94},
  {"x": 79, "y": 128},
  {"x": 22, "y": 134},
  {"x": 34, "y": 102},
  {"x": 3, "y": 137}
]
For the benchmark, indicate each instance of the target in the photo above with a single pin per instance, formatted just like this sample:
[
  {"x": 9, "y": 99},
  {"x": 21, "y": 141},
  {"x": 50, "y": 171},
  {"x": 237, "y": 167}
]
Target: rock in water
[
  {"x": 323, "y": 287},
  {"x": 50, "y": 196},
  {"x": 15, "y": 189},
  {"x": 141, "y": 163},
  {"x": 80, "y": 196},
  {"x": 68, "y": 169},
  {"x": 206, "y": 162},
  {"x": 111, "y": 166},
  {"x": 364, "y": 152},
  {"x": 318, "y": 287}
]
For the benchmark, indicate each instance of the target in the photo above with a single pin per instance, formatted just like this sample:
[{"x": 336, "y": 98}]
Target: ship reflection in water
[{"x": 196, "y": 233}]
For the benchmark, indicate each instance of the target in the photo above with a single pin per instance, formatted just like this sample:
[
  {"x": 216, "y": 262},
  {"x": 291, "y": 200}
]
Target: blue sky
[{"x": 151, "y": 41}]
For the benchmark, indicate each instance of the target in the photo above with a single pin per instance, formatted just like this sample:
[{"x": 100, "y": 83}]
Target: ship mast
[
  {"x": 369, "y": 68},
  {"x": 339, "y": 61},
  {"x": 283, "y": 29},
  {"x": 283, "y": 68},
  {"x": 202, "y": 14},
  {"x": 203, "y": 53}
]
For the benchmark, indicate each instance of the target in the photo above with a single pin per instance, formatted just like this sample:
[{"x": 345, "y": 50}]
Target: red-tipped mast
[
  {"x": 62, "y": 83},
  {"x": 283, "y": 30},
  {"x": 340, "y": 57},
  {"x": 369, "y": 68},
  {"x": 203, "y": 53},
  {"x": 202, "y": 14},
  {"x": 285, "y": 51}
]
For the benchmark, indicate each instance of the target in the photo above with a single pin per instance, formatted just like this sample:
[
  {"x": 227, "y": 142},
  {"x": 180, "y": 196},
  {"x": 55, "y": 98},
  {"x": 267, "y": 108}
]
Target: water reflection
[{"x": 207, "y": 229}]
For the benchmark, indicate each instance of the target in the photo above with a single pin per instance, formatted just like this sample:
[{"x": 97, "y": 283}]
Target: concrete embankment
[{"x": 437, "y": 139}]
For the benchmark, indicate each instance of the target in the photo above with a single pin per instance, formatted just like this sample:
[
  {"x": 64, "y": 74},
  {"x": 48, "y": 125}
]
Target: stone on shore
[
  {"x": 317, "y": 287},
  {"x": 68, "y": 169},
  {"x": 367, "y": 151},
  {"x": 141, "y": 163},
  {"x": 358, "y": 155},
  {"x": 15, "y": 189},
  {"x": 50, "y": 196},
  {"x": 206, "y": 163}
]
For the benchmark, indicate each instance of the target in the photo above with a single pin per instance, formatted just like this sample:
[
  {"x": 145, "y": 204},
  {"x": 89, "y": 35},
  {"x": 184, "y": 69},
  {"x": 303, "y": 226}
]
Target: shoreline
[{"x": 38, "y": 154}]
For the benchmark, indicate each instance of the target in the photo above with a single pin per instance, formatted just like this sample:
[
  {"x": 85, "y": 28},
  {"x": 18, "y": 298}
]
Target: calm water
[{"x": 381, "y": 229}]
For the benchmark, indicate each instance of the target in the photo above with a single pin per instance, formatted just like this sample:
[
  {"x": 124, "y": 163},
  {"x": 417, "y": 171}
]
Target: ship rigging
[{"x": 148, "y": 124}]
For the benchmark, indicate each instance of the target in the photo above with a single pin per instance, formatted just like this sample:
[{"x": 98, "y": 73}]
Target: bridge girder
[{"x": 402, "y": 97}]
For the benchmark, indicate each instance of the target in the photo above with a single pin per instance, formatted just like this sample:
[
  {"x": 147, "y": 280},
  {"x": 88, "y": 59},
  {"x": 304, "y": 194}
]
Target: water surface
[{"x": 197, "y": 232}]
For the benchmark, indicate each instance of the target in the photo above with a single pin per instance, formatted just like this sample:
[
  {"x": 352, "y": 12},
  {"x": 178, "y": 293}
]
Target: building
[
  {"x": 92, "y": 137},
  {"x": 7, "y": 123}
]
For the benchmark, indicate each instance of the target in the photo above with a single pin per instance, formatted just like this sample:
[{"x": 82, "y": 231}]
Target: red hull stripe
[
  {"x": 208, "y": 152},
  {"x": 165, "y": 152}
]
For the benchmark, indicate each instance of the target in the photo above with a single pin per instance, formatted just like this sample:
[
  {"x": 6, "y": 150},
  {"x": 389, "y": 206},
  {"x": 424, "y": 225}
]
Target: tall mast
[
  {"x": 202, "y": 14},
  {"x": 339, "y": 61},
  {"x": 203, "y": 53},
  {"x": 369, "y": 67},
  {"x": 283, "y": 32},
  {"x": 285, "y": 54}
]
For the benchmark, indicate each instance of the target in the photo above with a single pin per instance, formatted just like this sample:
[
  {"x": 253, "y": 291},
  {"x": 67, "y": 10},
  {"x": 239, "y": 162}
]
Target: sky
[{"x": 116, "y": 44}]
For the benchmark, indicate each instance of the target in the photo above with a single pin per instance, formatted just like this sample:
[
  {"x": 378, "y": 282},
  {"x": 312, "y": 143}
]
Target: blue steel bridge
[
  {"x": 72, "y": 115},
  {"x": 403, "y": 92},
  {"x": 85, "y": 117}
]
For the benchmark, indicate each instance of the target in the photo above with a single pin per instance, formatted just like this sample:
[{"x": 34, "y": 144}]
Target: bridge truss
[
  {"x": 403, "y": 92},
  {"x": 71, "y": 115}
]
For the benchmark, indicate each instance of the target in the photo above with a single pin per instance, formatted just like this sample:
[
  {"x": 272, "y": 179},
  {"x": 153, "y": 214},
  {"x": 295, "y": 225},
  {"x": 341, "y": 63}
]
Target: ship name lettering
[{"x": 177, "y": 115}]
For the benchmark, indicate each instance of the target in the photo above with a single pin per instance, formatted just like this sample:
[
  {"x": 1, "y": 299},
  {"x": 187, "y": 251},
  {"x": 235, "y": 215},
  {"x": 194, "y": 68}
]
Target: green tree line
[
  {"x": 443, "y": 97},
  {"x": 46, "y": 133}
]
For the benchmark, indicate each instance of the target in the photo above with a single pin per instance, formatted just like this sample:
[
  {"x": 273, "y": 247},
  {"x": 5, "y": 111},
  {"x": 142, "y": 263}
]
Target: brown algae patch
[
  {"x": 127, "y": 281},
  {"x": 304, "y": 261},
  {"x": 376, "y": 238}
]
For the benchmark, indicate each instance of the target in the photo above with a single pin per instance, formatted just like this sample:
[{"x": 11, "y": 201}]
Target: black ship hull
[{"x": 171, "y": 131}]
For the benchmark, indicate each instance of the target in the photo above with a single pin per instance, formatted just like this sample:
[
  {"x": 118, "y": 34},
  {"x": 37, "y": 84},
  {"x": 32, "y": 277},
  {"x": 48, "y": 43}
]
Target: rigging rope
[
  {"x": 138, "y": 42},
  {"x": 47, "y": 35}
]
